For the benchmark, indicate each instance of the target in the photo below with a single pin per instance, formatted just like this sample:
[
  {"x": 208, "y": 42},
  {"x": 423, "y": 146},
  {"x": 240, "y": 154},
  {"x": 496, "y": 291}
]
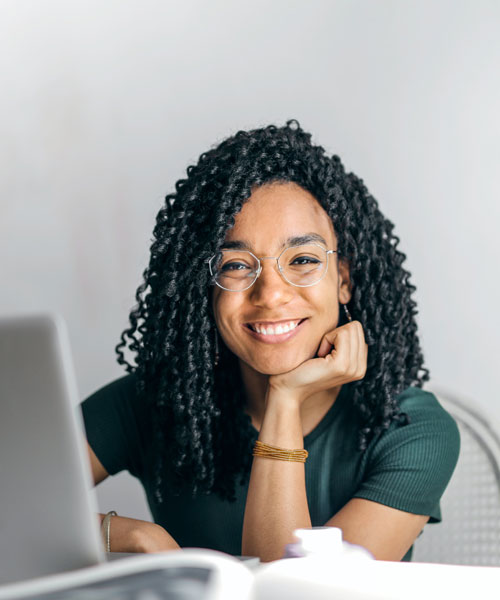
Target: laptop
[{"x": 49, "y": 528}]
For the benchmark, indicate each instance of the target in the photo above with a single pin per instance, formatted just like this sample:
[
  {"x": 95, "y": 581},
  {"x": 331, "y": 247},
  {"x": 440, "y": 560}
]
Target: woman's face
[{"x": 273, "y": 214}]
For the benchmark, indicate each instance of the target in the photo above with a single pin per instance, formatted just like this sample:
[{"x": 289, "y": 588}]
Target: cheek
[
  {"x": 325, "y": 301},
  {"x": 217, "y": 308},
  {"x": 225, "y": 308}
]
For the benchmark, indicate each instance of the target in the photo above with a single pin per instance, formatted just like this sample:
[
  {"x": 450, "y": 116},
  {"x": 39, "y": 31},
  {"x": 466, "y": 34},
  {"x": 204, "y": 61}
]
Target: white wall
[{"x": 104, "y": 105}]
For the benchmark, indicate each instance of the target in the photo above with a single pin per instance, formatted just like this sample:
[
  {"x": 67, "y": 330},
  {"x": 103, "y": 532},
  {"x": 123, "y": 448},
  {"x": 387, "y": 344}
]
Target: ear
[{"x": 345, "y": 287}]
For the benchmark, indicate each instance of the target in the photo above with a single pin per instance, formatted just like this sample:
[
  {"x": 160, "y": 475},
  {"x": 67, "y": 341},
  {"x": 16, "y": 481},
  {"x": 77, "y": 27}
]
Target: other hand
[
  {"x": 134, "y": 535},
  {"x": 341, "y": 358}
]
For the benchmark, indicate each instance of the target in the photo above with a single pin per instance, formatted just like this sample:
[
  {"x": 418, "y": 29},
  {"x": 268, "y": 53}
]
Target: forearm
[
  {"x": 134, "y": 535},
  {"x": 276, "y": 501}
]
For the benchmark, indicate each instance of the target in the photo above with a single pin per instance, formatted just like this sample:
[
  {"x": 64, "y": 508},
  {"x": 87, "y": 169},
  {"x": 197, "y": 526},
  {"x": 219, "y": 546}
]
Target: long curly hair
[{"x": 197, "y": 408}]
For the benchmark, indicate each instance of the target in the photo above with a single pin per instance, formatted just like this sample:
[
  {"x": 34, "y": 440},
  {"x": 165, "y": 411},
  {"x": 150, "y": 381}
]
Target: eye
[
  {"x": 233, "y": 266},
  {"x": 305, "y": 260}
]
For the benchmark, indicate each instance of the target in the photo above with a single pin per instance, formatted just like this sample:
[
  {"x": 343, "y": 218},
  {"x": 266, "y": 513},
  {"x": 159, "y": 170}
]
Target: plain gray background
[{"x": 105, "y": 104}]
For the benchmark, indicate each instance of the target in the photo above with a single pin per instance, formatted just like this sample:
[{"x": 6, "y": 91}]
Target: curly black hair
[{"x": 197, "y": 408}]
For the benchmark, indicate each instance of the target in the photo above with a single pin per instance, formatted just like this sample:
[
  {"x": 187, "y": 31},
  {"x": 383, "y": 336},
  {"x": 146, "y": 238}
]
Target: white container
[
  {"x": 324, "y": 543},
  {"x": 310, "y": 566}
]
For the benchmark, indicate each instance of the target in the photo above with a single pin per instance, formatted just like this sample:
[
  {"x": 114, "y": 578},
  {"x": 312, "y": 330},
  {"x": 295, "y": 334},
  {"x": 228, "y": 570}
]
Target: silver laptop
[
  {"x": 50, "y": 545},
  {"x": 48, "y": 520}
]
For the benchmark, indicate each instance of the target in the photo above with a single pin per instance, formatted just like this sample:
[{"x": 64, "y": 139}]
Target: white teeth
[{"x": 279, "y": 330}]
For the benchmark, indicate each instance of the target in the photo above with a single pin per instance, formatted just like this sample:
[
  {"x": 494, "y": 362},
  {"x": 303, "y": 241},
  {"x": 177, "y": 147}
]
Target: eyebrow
[{"x": 295, "y": 240}]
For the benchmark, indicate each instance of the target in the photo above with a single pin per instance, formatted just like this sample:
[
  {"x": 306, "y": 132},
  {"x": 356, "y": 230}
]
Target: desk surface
[{"x": 185, "y": 575}]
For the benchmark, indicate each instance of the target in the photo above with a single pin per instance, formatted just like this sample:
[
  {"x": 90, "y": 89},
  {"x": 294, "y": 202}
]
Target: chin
[{"x": 277, "y": 367}]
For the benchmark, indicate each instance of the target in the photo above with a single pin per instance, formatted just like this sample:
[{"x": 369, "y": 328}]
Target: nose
[{"x": 270, "y": 289}]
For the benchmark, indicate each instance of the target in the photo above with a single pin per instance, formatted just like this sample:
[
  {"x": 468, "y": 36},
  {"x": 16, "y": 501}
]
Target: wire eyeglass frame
[{"x": 280, "y": 268}]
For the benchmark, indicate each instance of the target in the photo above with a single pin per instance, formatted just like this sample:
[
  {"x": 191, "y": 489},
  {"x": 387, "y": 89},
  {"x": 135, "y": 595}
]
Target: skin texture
[{"x": 289, "y": 385}]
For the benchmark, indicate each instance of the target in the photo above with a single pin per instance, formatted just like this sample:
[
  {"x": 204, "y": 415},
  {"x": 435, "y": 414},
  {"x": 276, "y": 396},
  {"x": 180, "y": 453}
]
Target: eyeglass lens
[{"x": 300, "y": 265}]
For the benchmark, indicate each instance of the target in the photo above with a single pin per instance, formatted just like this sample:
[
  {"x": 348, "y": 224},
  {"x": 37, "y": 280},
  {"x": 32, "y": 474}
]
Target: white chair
[{"x": 470, "y": 531}]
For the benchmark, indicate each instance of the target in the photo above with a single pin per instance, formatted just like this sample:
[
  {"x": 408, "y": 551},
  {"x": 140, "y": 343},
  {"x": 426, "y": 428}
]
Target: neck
[{"x": 312, "y": 410}]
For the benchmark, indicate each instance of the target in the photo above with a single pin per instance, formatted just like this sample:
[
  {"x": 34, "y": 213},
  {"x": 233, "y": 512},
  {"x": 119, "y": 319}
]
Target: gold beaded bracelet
[{"x": 267, "y": 451}]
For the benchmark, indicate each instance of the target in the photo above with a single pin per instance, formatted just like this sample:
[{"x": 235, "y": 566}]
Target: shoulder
[
  {"x": 431, "y": 433},
  {"x": 426, "y": 415},
  {"x": 118, "y": 396},
  {"x": 116, "y": 421},
  {"x": 117, "y": 402},
  {"x": 409, "y": 465},
  {"x": 425, "y": 412},
  {"x": 123, "y": 388}
]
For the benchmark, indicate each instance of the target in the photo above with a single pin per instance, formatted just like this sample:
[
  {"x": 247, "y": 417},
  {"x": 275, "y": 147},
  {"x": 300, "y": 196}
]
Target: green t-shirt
[{"x": 407, "y": 467}]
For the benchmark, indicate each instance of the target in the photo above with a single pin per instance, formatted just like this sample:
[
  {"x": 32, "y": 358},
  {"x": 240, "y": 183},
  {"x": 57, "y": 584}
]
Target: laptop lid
[{"x": 48, "y": 521}]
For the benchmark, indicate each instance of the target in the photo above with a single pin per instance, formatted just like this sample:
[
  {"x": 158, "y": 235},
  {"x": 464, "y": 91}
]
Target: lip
[{"x": 275, "y": 338}]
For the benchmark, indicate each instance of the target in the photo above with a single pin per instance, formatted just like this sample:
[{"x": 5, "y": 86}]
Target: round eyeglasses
[{"x": 237, "y": 270}]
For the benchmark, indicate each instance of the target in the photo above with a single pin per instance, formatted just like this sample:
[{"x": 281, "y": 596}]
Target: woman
[{"x": 275, "y": 316}]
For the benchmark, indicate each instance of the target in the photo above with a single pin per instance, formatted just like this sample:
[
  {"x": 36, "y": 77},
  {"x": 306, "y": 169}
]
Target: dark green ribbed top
[{"x": 407, "y": 467}]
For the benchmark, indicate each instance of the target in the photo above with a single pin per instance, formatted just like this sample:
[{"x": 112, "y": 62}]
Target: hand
[
  {"x": 151, "y": 537},
  {"x": 342, "y": 357},
  {"x": 134, "y": 535}
]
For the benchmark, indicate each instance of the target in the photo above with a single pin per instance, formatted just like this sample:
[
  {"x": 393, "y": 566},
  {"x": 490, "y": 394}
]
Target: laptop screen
[{"x": 48, "y": 521}]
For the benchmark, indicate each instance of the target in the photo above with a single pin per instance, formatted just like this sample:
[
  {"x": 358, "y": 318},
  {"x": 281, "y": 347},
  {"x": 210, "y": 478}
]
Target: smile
[{"x": 273, "y": 332}]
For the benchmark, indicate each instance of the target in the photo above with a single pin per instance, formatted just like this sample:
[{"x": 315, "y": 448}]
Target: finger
[
  {"x": 324, "y": 348},
  {"x": 341, "y": 352},
  {"x": 348, "y": 353},
  {"x": 354, "y": 350},
  {"x": 327, "y": 342},
  {"x": 362, "y": 352}
]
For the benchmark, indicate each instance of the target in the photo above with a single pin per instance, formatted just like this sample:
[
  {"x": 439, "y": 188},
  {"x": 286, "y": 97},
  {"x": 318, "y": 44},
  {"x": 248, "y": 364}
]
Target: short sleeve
[
  {"x": 113, "y": 424},
  {"x": 409, "y": 466}
]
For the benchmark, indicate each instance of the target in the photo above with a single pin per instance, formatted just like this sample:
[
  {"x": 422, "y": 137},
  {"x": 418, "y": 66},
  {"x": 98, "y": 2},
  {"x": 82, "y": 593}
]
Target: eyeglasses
[{"x": 237, "y": 270}]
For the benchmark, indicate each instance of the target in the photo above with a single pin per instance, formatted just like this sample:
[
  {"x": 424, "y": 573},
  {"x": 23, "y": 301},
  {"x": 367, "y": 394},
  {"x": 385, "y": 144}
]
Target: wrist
[
  {"x": 139, "y": 541},
  {"x": 282, "y": 422},
  {"x": 151, "y": 537},
  {"x": 280, "y": 396}
]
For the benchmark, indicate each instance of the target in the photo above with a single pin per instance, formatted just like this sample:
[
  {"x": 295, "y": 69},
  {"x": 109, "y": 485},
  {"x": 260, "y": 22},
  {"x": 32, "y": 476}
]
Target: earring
[
  {"x": 216, "y": 358},
  {"x": 347, "y": 313}
]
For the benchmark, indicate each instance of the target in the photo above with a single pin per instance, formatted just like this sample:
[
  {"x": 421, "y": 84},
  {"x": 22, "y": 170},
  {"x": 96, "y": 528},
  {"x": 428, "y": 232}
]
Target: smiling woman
[{"x": 275, "y": 315}]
